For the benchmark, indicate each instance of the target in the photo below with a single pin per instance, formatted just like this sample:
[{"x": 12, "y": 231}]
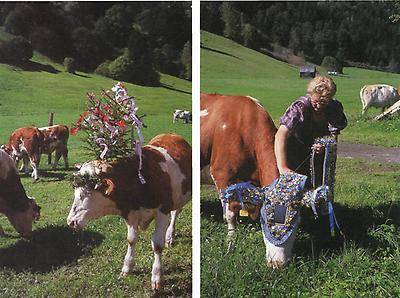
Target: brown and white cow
[
  {"x": 20, "y": 210},
  {"x": 56, "y": 139},
  {"x": 167, "y": 167},
  {"x": 25, "y": 144},
  {"x": 237, "y": 144},
  {"x": 379, "y": 96}
]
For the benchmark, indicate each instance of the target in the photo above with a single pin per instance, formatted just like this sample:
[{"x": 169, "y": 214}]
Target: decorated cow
[
  {"x": 103, "y": 188},
  {"x": 237, "y": 150},
  {"x": 21, "y": 210},
  {"x": 139, "y": 183}
]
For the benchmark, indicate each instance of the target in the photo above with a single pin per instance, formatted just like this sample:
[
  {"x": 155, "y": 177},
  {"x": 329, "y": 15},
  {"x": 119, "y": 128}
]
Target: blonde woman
[{"x": 314, "y": 115}]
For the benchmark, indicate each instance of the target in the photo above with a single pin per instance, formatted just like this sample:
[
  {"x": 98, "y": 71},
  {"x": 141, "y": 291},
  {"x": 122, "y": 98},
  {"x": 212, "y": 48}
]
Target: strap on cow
[{"x": 326, "y": 189}]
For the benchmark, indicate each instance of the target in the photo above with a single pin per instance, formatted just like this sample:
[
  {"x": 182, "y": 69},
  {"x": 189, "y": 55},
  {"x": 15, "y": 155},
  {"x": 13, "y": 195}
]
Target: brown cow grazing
[
  {"x": 25, "y": 144},
  {"x": 103, "y": 188},
  {"x": 20, "y": 210},
  {"x": 56, "y": 139},
  {"x": 237, "y": 144}
]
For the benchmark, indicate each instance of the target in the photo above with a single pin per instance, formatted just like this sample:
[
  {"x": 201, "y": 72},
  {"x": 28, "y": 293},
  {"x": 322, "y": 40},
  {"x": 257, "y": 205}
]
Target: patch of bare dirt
[{"x": 369, "y": 152}]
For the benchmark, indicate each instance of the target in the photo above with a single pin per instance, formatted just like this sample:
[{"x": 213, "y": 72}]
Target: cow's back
[
  {"x": 379, "y": 95},
  {"x": 237, "y": 130},
  {"x": 180, "y": 151},
  {"x": 30, "y": 137}
]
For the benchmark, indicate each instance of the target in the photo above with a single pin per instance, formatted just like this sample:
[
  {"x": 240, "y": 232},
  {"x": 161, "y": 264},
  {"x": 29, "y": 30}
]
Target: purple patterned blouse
[{"x": 298, "y": 119}]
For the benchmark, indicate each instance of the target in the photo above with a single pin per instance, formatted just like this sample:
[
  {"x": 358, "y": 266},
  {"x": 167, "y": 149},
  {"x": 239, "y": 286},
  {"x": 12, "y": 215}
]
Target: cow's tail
[{"x": 362, "y": 98}]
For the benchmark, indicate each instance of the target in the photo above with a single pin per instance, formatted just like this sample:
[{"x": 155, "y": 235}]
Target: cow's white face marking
[
  {"x": 203, "y": 113},
  {"x": 255, "y": 100},
  {"x": 88, "y": 203},
  {"x": 176, "y": 177},
  {"x": 278, "y": 256}
]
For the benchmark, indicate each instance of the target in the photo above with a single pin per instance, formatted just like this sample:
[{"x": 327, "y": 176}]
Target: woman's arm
[{"x": 281, "y": 137}]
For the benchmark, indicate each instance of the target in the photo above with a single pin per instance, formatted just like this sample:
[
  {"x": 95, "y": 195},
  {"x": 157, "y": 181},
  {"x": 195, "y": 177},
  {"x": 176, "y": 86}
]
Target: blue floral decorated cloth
[{"x": 281, "y": 206}]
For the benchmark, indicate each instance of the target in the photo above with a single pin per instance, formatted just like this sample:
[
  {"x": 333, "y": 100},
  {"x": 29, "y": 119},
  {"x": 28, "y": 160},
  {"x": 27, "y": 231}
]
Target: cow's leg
[
  {"x": 49, "y": 159},
  {"x": 25, "y": 162},
  {"x": 220, "y": 177},
  {"x": 170, "y": 235},
  {"x": 57, "y": 158},
  {"x": 130, "y": 253},
  {"x": 278, "y": 256},
  {"x": 65, "y": 157},
  {"x": 157, "y": 243},
  {"x": 34, "y": 165}
]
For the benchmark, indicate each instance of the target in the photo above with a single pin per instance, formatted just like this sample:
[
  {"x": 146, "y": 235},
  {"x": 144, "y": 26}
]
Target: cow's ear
[
  {"x": 234, "y": 206},
  {"x": 109, "y": 186}
]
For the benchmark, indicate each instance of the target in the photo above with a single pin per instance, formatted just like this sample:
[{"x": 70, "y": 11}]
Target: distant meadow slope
[{"x": 229, "y": 68}]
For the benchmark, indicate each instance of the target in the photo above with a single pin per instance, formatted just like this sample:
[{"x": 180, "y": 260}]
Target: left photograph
[{"x": 96, "y": 157}]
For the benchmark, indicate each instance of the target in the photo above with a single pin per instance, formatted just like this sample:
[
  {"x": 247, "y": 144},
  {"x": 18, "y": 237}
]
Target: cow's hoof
[
  {"x": 169, "y": 242},
  {"x": 124, "y": 274},
  {"x": 275, "y": 264},
  {"x": 156, "y": 285}
]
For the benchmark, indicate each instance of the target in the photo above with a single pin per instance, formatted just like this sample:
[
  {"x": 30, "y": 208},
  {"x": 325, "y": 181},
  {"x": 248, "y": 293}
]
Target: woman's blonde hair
[{"x": 324, "y": 86}]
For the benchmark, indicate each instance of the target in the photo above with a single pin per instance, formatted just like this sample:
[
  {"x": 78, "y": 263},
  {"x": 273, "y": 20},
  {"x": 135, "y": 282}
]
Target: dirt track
[{"x": 369, "y": 152}]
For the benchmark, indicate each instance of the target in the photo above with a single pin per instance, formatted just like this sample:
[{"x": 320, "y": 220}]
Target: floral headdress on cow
[{"x": 110, "y": 122}]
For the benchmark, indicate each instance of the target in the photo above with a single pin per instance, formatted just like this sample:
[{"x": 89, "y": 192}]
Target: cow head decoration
[{"x": 91, "y": 194}]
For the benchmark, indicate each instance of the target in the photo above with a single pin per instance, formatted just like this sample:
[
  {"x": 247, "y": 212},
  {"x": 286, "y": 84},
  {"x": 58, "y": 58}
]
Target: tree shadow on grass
[
  {"x": 35, "y": 66},
  {"x": 48, "y": 249},
  {"x": 218, "y": 51},
  {"x": 174, "y": 89},
  {"x": 53, "y": 176}
]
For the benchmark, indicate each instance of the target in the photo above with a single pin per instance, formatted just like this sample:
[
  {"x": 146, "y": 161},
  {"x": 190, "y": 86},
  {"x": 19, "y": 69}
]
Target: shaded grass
[
  {"x": 365, "y": 265},
  {"x": 229, "y": 68},
  {"x": 59, "y": 262}
]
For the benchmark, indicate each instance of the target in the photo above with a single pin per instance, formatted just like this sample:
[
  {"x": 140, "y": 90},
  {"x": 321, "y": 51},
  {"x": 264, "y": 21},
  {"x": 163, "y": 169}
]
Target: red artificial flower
[
  {"x": 121, "y": 123},
  {"x": 73, "y": 130}
]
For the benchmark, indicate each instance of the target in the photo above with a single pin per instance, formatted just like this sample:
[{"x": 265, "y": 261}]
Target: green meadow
[
  {"x": 60, "y": 262},
  {"x": 366, "y": 264}
]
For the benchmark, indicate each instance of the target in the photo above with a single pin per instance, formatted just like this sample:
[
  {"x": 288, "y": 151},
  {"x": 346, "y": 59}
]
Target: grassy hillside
[
  {"x": 229, "y": 68},
  {"x": 366, "y": 195},
  {"x": 60, "y": 262}
]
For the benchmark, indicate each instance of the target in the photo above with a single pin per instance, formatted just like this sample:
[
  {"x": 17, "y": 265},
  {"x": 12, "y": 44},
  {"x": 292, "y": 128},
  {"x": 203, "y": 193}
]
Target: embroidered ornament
[
  {"x": 279, "y": 212},
  {"x": 281, "y": 200}
]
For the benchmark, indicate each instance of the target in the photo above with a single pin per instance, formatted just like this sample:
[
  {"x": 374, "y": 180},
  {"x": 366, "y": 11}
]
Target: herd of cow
[
  {"x": 230, "y": 152},
  {"x": 102, "y": 188}
]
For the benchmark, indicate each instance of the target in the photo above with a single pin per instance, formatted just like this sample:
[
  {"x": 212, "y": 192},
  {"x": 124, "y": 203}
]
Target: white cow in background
[
  {"x": 186, "y": 116},
  {"x": 379, "y": 96}
]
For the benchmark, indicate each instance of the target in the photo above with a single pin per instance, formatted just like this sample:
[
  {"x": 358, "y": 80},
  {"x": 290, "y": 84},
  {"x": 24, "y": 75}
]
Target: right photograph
[{"x": 300, "y": 149}]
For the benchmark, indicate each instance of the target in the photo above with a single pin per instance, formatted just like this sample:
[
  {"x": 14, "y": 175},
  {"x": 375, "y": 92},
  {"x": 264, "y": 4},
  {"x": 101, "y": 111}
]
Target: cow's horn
[{"x": 109, "y": 186}]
